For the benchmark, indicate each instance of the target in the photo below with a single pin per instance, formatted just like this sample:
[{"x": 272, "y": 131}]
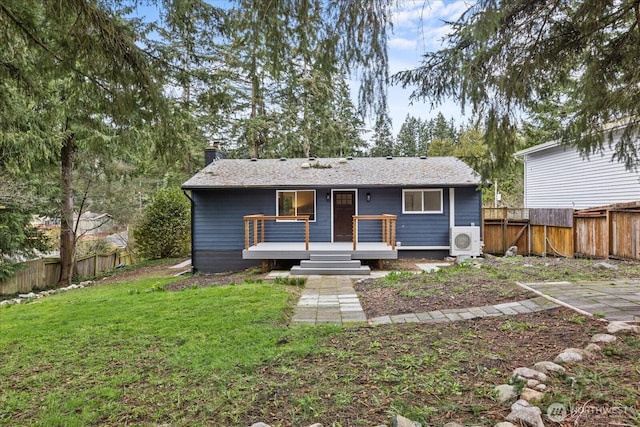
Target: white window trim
[
  {"x": 315, "y": 202},
  {"x": 423, "y": 212}
]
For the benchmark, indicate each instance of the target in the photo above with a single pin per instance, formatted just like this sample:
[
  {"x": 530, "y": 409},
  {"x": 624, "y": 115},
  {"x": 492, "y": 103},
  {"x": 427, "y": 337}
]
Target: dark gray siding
[
  {"x": 220, "y": 261},
  {"x": 468, "y": 207},
  {"x": 219, "y": 224},
  {"x": 412, "y": 229}
]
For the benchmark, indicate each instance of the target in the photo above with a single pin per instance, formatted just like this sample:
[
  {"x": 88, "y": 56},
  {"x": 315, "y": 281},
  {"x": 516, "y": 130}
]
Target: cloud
[
  {"x": 425, "y": 22},
  {"x": 402, "y": 43}
]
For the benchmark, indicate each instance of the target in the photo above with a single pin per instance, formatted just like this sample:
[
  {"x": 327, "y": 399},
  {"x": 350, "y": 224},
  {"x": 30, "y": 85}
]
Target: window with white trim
[
  {"x": 296, "y": 202},
  {"x": 422, "y": 201}
]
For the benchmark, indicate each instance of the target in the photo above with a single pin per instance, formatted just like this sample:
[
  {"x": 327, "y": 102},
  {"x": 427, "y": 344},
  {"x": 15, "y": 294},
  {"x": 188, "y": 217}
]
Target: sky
[{"x": 419, "y": 27}]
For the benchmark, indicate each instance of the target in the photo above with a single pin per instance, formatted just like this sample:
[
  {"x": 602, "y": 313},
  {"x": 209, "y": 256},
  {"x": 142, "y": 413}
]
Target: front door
[{"x": 344, "y": 208}]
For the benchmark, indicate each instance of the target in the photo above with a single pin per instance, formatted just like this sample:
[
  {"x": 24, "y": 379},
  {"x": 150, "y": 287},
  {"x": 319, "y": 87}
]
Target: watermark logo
[{"x": 557, "y": 412}]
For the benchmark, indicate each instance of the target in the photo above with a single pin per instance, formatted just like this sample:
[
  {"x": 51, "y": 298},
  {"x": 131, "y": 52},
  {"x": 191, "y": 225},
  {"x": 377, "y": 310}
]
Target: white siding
[{"x": 559, "y": 178}]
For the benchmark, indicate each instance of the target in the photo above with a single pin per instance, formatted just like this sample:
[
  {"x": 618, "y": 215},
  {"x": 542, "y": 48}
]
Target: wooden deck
[{"x": 297, "y": 250}]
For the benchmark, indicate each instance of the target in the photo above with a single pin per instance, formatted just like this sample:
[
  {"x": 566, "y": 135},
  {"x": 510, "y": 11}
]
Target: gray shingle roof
[{"x": 360, "y": 172}]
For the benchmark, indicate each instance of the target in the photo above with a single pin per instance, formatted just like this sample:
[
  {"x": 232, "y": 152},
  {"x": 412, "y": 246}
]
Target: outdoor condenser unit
[{"x": 465, "y": 241}]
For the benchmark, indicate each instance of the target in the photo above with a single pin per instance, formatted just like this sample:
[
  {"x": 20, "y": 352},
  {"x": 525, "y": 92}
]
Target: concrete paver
[
  {"x": 333, "y": 300},
  {"x": 612, "y": 299}
]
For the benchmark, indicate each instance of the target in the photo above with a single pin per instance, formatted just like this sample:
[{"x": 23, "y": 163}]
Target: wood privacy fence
[
  {"x": 45, "y": 272},
  {"x": 602, "y": 232}
]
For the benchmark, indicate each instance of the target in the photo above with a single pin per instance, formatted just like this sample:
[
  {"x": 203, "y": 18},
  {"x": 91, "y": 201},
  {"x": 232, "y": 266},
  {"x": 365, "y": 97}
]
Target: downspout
[{"x": 193, "y": 204}]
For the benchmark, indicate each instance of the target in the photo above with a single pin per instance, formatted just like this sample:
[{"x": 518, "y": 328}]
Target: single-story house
[
  {"x": 557, "y": 176},
  {"x": 368, "y": 208}
]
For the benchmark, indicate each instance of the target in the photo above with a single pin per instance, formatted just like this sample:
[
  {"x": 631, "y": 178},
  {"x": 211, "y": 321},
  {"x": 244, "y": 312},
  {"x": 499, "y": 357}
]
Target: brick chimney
[{"x": 212, "y": 153}]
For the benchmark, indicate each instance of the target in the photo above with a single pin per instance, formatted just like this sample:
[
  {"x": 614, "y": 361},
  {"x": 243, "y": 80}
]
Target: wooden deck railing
[
  {"x": 258, "y": 222},
  {"x": 388, "y": 228}
]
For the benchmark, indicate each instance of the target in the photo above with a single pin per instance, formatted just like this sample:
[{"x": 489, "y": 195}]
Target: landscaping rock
[
  {"x": 616, "y": 327},
  {"x": 605, "y": 266},
  {"x": 528, "y": 373},
  {"x": 453, "y": 424},
  {"x": 505, "y": 424},
  {"x": 260, "y": 425},
  {"x": 520, "y": 404},
  {"x": 568, "y": 357},
  {"x": 586, "y": 354},
  {"x": 400, "y": 421},
  {"x": 603, "y": 338},
  {"x": 547, "y": 367},
  {"x": 505, "y": 392},
  {"x": 512, "y": 251},
  {"x": 592, "y": 349},
  {"x": 531, "y": 395},
  {"x": 532, "y": 383},
  {"x": 529, "y": 416},
  {"x": 540, "y": 387}
]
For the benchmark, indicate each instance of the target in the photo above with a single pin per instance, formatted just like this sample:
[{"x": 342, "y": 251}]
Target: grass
[{"x": 118, "y": 354}]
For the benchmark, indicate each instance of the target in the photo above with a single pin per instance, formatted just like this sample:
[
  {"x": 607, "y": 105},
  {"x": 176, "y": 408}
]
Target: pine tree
[
  {"x": 383, "y": 143},
  {"x": 504, "y": 58}
]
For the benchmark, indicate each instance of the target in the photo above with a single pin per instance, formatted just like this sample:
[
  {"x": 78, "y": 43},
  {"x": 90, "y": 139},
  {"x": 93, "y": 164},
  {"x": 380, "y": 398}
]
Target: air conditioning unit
[{"x": 465, "y": 241}]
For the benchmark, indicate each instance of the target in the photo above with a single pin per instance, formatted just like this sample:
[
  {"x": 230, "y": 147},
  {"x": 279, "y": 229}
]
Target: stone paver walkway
[
  {"x": 333, "y": 300},
  {"x": 612, "y": 299},
  {"x": 329, "y": 299},
  {"x": 455, "y": 314}
]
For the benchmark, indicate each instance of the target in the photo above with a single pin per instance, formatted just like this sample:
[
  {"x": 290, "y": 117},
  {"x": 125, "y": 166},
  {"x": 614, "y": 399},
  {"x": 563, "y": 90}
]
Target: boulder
[
  {"x": 549, "y": 367},
  {"x": 616, "y": 327},
  {"x": 400, "y": 421},
  {"x": 531, "y": 395},
  {"x": 604, "y": 266},
  {"x": 512, "y": 251},
  {"x": 529, "y": 416},
  {"x": 592, "y": 349},
  {"x": 505, "y": 392},
  {"x": 568, "y": 357},
  {"x": 603, "y": 338},
  {"x": 528, "y": 374}
]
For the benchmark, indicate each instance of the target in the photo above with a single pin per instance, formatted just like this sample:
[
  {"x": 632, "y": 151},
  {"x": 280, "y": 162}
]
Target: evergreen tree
[
  {"x": 383, "y": 143},
  {"x": 507, "y": 57},
  {"x": 77, "y": 66}
]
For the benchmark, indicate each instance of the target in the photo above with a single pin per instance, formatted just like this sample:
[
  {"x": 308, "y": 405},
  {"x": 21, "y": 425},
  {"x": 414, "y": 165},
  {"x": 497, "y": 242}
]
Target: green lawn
[{"x": 134, "y": 353}]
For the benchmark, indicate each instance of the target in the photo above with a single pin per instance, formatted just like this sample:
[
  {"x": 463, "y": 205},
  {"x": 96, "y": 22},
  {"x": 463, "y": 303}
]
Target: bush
[{"x": 164, "y": 231}]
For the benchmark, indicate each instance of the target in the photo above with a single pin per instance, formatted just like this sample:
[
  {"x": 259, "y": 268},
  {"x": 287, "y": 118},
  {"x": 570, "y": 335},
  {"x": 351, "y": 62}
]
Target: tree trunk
[{"x": 67, "y": 235}]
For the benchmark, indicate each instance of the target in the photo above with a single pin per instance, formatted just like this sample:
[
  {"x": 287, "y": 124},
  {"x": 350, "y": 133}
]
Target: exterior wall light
[{"x": 368, "y": 197}]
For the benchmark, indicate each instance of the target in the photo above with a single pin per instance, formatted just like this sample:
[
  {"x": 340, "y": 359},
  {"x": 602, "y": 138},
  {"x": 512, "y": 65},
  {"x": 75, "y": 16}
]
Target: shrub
[{"x": 164, "y": 231}]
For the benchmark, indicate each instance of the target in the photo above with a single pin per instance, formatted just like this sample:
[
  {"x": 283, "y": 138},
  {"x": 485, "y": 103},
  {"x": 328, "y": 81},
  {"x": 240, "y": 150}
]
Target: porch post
[
  {"x": 255, "y": 231},
  {"x": 306, "y": 234},
  {"x": 246, "y": 233},
  {"x": 355, "y": 232}
]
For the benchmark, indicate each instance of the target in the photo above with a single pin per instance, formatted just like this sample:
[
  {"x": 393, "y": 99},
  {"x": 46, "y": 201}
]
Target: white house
[{"x": 556, "y": 176}]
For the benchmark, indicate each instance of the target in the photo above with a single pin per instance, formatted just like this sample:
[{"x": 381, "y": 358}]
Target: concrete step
[
  {"x": 330, "y": 257},
  {"x": 360, "y": 271},
  {"x": 305, "y": 263}
]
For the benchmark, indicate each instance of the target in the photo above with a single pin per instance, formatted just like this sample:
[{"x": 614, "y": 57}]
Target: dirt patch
[
  {"x": 160, "y": 268},
  {"x": 476, "y": 283},
  {"x": 432, "y": 373}
]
